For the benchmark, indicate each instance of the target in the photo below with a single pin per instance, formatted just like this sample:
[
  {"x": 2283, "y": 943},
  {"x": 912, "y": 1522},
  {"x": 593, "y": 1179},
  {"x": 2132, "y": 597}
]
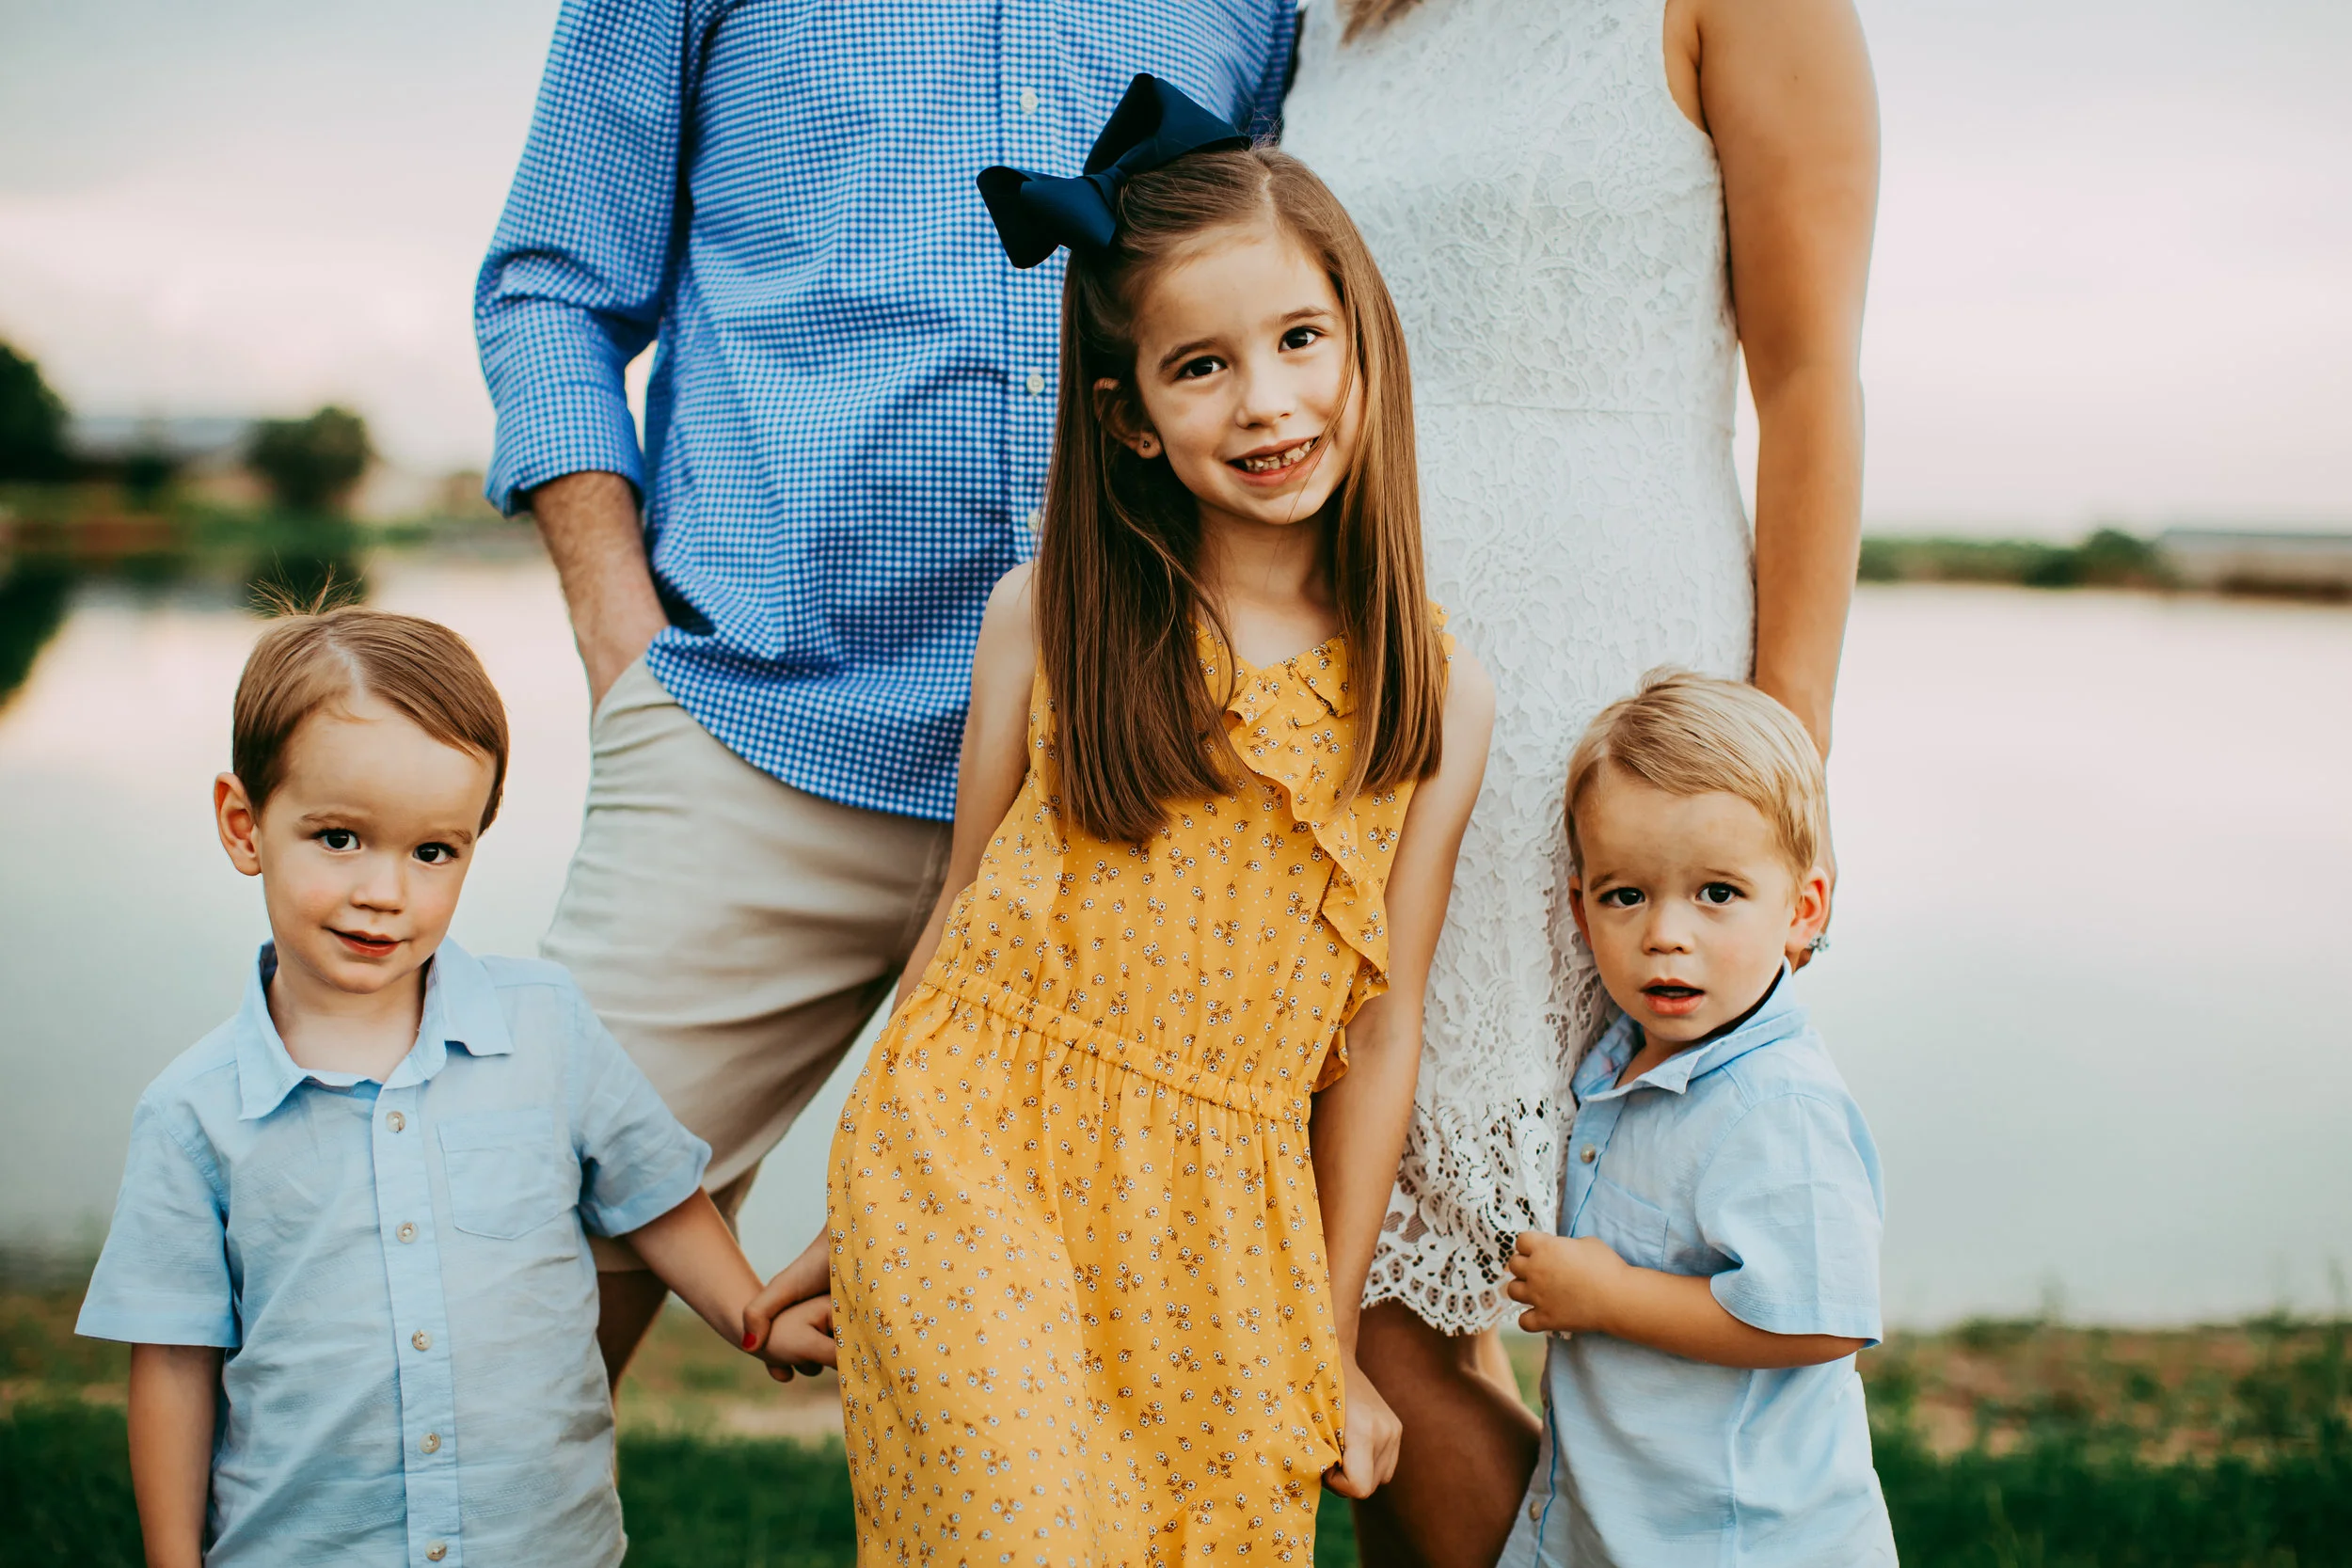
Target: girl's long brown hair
[{"x": 1119, "y": 590}]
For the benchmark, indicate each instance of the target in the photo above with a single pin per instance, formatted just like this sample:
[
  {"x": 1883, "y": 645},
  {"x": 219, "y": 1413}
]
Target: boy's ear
[
  {"x": 1812, "y": 911},
  {"x": 239, "y": 825},
  {"x": 1576, "y": 905},
  {"x": 1115, "y": 406}
]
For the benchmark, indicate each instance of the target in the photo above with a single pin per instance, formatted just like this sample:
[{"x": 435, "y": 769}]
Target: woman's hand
[{"x": 1369, "y": 1436}]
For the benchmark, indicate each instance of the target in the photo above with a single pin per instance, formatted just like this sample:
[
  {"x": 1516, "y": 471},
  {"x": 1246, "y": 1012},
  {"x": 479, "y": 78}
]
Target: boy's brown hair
[
  {"x": 1693, "y": 735},
  {"x": 305, "y": 663}
]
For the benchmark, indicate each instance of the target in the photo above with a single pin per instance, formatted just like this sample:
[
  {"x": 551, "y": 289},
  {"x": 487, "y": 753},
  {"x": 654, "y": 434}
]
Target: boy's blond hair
[
  {"x": 308, "y": 662},
  {"x": 1693, "y": 734}
]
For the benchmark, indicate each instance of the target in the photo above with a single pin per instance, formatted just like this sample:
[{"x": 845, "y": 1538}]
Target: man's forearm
[
  {"x": 590, "y": 523},
  {"x": 1808, "y": 531},
  {"x": 172, "y": 1393}
]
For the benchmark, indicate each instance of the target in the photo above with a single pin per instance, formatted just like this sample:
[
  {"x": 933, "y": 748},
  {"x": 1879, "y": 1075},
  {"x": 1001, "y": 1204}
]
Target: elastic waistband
[{"x": 1270, "y": 1101}]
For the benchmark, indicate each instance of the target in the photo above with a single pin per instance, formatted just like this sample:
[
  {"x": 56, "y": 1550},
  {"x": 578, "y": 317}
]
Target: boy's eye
[
  {"x": 1301, "y": 337},
  {"x": 1621, "y": 897},
  {"x": 1718, "y": 892},
  {"x": 338, "y": 839},
  {"x": 436, "y": 854}
]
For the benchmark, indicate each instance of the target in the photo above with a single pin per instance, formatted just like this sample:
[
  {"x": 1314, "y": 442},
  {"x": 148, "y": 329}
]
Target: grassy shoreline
[{"x": 2000, "y": 1444}]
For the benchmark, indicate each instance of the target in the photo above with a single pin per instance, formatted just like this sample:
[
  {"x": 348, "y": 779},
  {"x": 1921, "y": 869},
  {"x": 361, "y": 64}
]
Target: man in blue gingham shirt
[{"x": 845, "y": 445}]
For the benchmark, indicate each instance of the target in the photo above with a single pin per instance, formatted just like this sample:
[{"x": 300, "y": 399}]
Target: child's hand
[
  {"x": 789, "y": 1323},
  {"x": 1368, "y": 1439},
  {"x": 801, "y": 1340},
  {"x": 1567, "y": 1283}
]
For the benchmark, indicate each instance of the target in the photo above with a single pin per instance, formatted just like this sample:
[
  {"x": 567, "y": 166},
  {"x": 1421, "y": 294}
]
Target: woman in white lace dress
[{"x": 1566, "y": 197}]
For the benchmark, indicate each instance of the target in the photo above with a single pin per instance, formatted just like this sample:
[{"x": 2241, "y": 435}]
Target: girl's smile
[{"x": 1273, "y": 466}]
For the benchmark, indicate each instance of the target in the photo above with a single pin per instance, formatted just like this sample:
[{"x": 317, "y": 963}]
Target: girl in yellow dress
[{"x": 1103, "y": 1200}]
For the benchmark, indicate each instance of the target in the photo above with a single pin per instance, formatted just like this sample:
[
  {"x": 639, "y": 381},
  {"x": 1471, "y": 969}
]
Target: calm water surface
[{"x": 2089, "y": 979}]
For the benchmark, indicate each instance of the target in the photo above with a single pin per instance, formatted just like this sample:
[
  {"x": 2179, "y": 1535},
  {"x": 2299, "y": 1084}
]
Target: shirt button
[
  {"x": 421, "y": 1340},
  {"x": 436, "y": 1550},
  {"x": 1534, "y": 1511},
  {"x": 1029, "y": 100},
  {"x": 432, "y": 1443},
  {"x": 1590, "y": 1154},
  {"x": 394, "y": 1120},
  {"x": 406, "y": 1232},
  {"x": 1037, "y": 383}
]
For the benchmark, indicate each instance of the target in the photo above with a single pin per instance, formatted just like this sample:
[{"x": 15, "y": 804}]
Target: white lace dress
[{"x": 1552, "y": 228}]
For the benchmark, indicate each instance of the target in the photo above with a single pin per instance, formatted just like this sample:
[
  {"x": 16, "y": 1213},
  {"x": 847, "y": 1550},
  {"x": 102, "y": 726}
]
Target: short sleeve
[
  {"x": 163, "y": 1276},
  {"x": 637, "y": 1162},
  {"x": 1791, "y": 1197}
]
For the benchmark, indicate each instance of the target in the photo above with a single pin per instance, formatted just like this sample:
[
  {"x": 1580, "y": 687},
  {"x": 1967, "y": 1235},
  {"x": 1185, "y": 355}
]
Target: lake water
[{"x": 2088, "y": 981}]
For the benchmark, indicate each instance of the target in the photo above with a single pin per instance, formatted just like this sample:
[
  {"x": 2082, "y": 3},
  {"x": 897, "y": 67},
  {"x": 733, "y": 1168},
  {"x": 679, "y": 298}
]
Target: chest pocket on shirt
[
  {"x": 1634, "y": 1228},
  {"x": 507, "y": 1174}
]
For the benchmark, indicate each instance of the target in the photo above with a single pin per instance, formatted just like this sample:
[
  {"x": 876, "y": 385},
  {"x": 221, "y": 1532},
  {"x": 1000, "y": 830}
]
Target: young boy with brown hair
[{"x": 350, "y": 1253}]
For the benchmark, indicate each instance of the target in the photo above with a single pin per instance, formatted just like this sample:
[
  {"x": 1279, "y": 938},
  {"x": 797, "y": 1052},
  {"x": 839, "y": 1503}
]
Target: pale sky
[{"x": 2113, "y": 280}]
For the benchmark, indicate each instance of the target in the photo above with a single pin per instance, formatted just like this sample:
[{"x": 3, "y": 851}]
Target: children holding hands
[
  {"x": 1717, "y": 1265},
  {"x": 1102, "y": 1203},
  {"x": 350, "y": 1253}
]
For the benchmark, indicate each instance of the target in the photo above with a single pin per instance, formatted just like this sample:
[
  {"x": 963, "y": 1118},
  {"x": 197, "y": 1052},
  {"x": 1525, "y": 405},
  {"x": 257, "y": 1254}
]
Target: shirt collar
[
  {"x": 461, "y": 1008},
  {"x": 1776, "y": 1018}
]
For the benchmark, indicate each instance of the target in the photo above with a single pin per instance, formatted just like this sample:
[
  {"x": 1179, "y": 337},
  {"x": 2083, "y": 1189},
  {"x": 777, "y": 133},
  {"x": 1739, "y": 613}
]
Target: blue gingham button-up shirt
[
  {"x": 1746, "y": 1161},
  {"x": 398, "y": 1272},
  {"x": 852, "y": 393}
]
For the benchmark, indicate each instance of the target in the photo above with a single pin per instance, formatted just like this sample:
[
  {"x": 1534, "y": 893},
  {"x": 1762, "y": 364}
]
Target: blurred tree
[
  {"x": 32, "y": 421},
  {"x": 312, "y": 465}
]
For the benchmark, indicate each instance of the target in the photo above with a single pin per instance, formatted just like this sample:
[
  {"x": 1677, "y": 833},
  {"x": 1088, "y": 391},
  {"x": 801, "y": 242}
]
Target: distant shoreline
[{"x": 2311, "y": 567}]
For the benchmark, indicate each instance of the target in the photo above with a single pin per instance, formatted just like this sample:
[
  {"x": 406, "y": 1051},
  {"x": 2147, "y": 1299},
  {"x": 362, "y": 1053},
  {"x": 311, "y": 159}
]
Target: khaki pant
[{"x": 733, "y": 932}]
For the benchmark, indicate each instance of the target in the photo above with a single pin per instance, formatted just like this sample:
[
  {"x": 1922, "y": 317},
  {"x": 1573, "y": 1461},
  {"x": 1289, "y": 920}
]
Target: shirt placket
[
  {"x": 1588, "y": 1140},
  {"x": 412, "y": 1265},
  {"x": 1035, "y": 117}
]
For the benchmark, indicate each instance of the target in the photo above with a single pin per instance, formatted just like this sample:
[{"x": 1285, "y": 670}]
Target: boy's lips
[
  {"x": 1673, "y": 999},
  {"x": 366, "y": 943}
]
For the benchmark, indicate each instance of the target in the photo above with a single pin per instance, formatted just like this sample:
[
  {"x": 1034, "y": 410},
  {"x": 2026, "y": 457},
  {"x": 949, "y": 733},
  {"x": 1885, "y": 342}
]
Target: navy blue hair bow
[{"x": 1153, "y": 125}]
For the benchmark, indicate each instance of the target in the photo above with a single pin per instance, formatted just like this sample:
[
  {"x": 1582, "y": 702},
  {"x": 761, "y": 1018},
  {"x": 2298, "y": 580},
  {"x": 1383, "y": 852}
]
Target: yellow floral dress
[{"x": 1078, "y": 1277}]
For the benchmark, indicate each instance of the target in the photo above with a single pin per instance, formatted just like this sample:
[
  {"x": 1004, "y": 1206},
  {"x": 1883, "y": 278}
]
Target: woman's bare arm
[
  {"x": 1359, "y": 1131},
  {"x": 1784, "y": 87},
  {"x": 173, "y": 1389}
]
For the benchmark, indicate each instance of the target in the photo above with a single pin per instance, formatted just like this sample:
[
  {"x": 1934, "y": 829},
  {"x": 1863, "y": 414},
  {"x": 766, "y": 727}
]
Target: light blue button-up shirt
[
  {"x": 1745, "y": 1160},
  {"x": 398, "y": 1272}
]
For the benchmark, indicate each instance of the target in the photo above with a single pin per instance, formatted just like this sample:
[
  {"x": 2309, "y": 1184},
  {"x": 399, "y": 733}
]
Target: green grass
[{"x": 2000, "y": 1444}]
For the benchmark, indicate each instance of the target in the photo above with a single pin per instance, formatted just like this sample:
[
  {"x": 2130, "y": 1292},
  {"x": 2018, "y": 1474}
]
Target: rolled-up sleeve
[
  {"x": 162, "y": 1277},
  {"x": 637, "y": 1162},
  {"x": 575, "y": 281},
  {"x": 1791, "y": 1196}
]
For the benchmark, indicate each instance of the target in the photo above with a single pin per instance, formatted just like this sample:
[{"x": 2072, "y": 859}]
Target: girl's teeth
[{"x": 1277, "y": 460}]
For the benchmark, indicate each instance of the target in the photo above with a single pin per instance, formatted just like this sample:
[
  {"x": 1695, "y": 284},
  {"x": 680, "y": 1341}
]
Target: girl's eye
[
  {"x": 338, "y": 839},
  {"x": 1621, "y": 897},
  {"x": 436, "y": 854},
  {"x": 1718, "y": 892},
  {"x": 1193, "y": 369},
  {"x": 1301, "y": 337}
]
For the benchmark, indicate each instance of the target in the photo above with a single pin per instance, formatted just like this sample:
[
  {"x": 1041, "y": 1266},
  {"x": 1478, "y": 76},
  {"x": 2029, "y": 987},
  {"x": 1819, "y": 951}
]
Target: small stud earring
[
  {"x": 1147, "y": 445},
  {"x": 1819, "y": 944}
]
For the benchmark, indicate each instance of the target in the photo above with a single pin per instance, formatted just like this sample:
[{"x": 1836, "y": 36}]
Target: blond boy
[{"x": 1717, "y": 1262}]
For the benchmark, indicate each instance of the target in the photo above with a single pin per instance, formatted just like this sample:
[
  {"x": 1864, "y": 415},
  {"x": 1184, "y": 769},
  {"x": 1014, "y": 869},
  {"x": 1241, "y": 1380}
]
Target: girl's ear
[{"x": 1115, "y": 406}]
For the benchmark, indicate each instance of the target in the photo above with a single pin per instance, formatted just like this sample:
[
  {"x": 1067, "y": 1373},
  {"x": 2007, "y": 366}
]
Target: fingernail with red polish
[{"x": 751, "y": 1341}]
